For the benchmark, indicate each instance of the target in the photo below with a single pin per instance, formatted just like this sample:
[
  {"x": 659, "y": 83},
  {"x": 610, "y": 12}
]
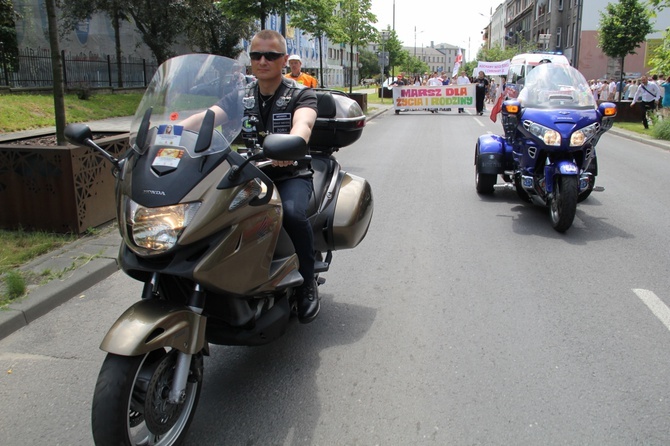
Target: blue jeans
[{"x": 295, "y": 194}]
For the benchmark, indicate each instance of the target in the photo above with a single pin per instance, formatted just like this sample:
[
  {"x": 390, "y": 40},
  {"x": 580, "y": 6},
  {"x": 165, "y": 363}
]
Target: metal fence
[{"x": 79, "y": 71}]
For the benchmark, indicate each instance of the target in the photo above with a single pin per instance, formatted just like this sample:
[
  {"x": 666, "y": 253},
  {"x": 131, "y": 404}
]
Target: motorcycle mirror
[
  {"x": 81, "y": 135},
  {"x": 205, "y": 134},
  {"x": 78, "y": 134},
  {"x": 282, "y": 147},
  {"x": 143, "y": 131}
]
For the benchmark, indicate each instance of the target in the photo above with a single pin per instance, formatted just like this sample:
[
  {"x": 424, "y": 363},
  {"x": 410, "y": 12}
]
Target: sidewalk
[
  {"x": 81, "y": 264},
  {"x": 110, "y": 125}
]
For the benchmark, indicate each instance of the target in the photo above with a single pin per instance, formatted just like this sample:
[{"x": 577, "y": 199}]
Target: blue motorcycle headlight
[
  {"x": 580, "y": 137},
  {"x": 548, "y": 136}
]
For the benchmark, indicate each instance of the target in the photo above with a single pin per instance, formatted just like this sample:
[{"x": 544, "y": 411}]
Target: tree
[
  {"x": 355, "y": 23},
  {"x": 74, "y": 11},
  {"x": 496, "y": 53},
  {"x": 259, "y": 9},
  {"x": 160, "y": 23},
  {"x": 393, "y": 46},
  {"x": 316, "y": 17},
  {"x": 622, "y": 28},
  {"x": 213, "y": 31},
  {"x": 369, "y": 64},
  {"x": 414, "y": 65},
  {"x": 57, "y": 72},
  {"x": 660, "y": 60},
  {"x": 9, "y": 48}
]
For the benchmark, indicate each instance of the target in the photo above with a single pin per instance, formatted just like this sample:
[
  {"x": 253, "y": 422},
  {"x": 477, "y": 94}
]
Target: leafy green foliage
[
  {"x": 623, "y": 27},
  {"x": 660, "y": 58},
  {"x": 255, "y": 9},
  {"x": 661, "y": 129},
  {"x": 355, "y": 21},
  {"x": 414, "y": 66},
  {"x": 212, "y": 31},
  {"x": 369, "y": 64},
  {"x": 496, "y": 53},
  {"x": 15, "y": 285},
  {"x": 397, "y": 54},
  {"x": 9, "y": 50},
  {"x": 316, "y": 17}
]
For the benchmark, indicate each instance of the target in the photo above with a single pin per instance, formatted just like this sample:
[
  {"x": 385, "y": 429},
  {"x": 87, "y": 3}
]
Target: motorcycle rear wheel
[
  {"x": 121, "y": 414},
  {"x": 563, "y": 206},
  {"x": 484, "y": 182}
]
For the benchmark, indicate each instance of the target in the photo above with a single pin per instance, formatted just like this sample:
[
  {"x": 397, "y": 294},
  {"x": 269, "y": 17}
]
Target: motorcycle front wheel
[
  {"x": 130, "y": 404},
  {"x": 563, "y": 206}
]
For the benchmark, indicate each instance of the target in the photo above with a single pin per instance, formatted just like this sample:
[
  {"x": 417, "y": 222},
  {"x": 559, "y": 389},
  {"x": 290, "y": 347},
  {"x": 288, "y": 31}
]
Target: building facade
[
  {"x": 570, "y": 27},
  {"x": 93, "y": 39}
]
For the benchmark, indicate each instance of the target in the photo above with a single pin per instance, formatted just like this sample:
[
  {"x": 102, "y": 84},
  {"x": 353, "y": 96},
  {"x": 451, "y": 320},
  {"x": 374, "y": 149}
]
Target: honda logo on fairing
[{"x": 153, "y": 192}]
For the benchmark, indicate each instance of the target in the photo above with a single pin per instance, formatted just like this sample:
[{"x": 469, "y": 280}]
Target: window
[
  {"x": 560, "y": 5},
  {"x": 558, "y": 37}
]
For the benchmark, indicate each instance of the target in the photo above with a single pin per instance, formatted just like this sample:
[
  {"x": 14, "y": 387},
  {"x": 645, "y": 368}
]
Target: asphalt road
[{"x": 459, "y": 320}]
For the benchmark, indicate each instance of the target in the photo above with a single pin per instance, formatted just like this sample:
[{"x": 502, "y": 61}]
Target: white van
[{"x": 520, "y": 66}]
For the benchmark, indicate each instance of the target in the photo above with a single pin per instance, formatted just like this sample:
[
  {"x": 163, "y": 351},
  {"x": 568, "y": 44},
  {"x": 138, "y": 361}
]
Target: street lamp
[
  {"x": 382, "y": 60},
  {"x": 415, "y": 40}
]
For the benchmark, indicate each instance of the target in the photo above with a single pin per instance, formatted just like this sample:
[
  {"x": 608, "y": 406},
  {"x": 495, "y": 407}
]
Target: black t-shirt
[{"x": 482, "y": 83}]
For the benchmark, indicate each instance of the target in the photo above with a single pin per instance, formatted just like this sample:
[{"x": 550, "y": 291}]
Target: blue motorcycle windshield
[{"x": 554, "y": 86}]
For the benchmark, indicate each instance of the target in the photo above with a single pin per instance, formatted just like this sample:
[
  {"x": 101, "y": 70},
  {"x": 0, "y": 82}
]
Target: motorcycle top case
[{"x": 339, "y": 121}]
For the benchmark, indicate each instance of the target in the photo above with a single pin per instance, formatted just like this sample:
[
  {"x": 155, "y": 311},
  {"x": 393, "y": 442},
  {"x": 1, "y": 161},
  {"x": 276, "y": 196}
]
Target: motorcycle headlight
[
  {"x": 549, "y": 136},
  {"x": 158, "y": 229},
  {"x": 580, "y": 137}
]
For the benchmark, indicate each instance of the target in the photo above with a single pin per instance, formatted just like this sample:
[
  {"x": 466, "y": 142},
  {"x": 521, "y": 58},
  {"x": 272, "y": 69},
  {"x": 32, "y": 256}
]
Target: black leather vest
[{"x": 280, "y": 115}]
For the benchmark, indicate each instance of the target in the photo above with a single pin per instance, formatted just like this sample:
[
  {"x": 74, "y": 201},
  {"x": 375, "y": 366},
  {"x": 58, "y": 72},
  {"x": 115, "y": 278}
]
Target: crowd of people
[
  {"x": 648, "y": 93},
  {"x": 486, "y": 88}
]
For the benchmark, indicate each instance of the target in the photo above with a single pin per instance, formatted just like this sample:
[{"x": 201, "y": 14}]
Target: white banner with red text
[
  {"x": 443, "y": 98},
  {"x": 492, "y": 68}
]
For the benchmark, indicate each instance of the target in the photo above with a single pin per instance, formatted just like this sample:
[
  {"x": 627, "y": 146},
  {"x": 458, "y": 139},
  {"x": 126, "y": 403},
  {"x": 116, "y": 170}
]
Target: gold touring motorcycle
[{"x": 202, "y": 229}]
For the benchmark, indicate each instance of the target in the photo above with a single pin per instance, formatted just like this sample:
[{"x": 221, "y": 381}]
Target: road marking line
[{"x": 656, "y": 305}]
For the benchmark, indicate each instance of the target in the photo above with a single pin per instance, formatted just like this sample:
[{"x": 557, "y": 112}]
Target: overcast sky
[{"x": 456, "y": 22}]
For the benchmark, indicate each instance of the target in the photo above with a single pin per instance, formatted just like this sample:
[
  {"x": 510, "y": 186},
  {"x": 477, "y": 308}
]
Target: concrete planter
[{"x": 63, "y": 189}]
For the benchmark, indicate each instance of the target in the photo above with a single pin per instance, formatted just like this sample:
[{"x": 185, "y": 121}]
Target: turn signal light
[
  {"x": 512, "y": 108},
  {"x": 610, "y": 111}
]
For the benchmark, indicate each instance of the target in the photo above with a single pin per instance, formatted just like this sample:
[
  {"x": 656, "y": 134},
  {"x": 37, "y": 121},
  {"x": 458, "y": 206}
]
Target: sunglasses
[{"x": 270, "y": 56}]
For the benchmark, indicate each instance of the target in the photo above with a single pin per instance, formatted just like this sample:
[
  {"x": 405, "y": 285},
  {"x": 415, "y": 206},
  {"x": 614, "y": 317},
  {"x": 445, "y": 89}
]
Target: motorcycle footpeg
[
  {"x": 504, "y": 186},
  {"x": 598, "y": 189},
  {"x": 321, "y": 267}
]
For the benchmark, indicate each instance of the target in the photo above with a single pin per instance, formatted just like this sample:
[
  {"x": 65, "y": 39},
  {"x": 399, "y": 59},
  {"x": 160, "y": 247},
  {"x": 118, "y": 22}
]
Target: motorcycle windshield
[
  {"x": 172, "y": 109},
  {"x": 552, "y": 86}
]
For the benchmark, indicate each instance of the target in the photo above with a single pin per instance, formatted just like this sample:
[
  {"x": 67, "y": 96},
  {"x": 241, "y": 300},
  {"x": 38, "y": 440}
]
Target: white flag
[{"x": 457, "y": 64}]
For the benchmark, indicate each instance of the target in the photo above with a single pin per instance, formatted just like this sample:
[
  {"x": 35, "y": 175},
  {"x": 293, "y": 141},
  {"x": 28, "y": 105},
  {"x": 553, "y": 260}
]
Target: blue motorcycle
[{"x": 548, "y": 151}]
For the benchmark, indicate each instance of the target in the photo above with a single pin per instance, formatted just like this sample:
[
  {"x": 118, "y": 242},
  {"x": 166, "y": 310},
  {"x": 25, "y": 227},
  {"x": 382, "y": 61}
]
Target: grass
[
  {"x": 29, "y": 111},
  {"x": 18, "y": 248}
]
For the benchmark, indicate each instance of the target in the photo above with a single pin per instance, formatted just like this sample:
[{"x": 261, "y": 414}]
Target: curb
[
  {"x": 661, "y": 144},
  {"x": 47, "y": 297},
  {"x": 80, "y": 264}
]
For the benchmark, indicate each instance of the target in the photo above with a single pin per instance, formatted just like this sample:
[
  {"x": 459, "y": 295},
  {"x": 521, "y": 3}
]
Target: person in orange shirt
[{"x": 295, "y": 63}]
